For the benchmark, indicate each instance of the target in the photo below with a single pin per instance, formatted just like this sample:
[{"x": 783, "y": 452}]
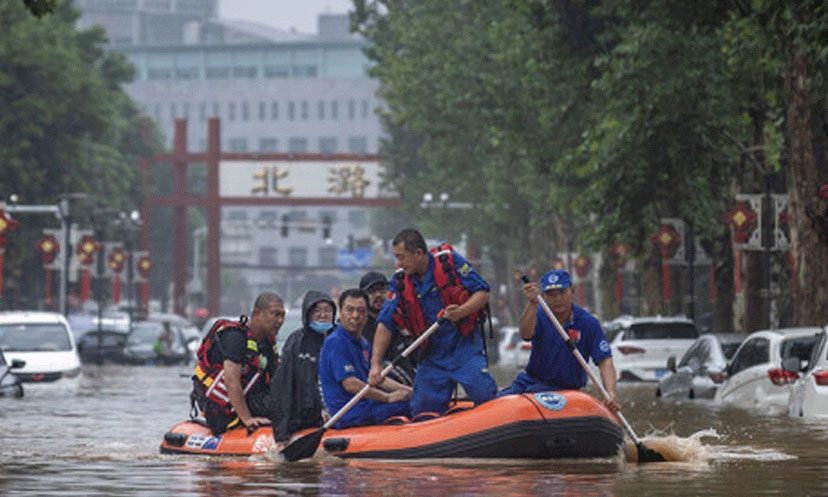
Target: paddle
[
  {"x": 645, "y": 454},
  {"x": 307, "y": 445}
]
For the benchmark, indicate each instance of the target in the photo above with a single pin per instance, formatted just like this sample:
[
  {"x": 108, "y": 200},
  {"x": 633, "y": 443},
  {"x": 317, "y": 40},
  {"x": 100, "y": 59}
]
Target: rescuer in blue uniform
[
  {"x": 552, "y": 366},
  {"x": 343, "y": 370},
  {"x": 454, "y": 353}
]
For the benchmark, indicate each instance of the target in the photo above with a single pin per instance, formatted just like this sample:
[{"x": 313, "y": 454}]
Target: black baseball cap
[{"x": 371, "y": 278}]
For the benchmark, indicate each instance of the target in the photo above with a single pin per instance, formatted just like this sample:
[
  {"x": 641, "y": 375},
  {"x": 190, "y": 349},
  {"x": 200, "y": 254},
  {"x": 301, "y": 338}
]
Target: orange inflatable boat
[{"x": 562, "y": 424}]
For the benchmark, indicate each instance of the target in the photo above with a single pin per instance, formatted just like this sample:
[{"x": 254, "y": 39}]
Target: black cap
[{"x": 371, "y": 278}]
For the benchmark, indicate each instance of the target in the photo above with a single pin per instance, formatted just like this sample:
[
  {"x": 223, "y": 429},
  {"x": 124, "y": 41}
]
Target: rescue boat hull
[{"x": 546, "y": 425}]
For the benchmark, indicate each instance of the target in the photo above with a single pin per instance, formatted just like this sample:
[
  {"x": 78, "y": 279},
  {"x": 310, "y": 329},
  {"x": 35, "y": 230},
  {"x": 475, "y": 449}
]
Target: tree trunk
[{"x": 808, "y": 212}]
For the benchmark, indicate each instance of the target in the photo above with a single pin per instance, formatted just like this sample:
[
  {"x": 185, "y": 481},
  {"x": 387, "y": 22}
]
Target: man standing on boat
[
  {"x": 374, "y": 285},
  {"x": 425, "y": 284},
  {"x": 235, "y": 362},
  {"x": 552, "y": 366},
  {"x": 343, "y": 370}
]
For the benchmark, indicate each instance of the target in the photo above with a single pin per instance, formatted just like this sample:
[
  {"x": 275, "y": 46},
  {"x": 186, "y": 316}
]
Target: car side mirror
[
  {"x": 671, "y": 363},
  {"x": 792, "y": 364},
  {"x": 17, "y": 364}
]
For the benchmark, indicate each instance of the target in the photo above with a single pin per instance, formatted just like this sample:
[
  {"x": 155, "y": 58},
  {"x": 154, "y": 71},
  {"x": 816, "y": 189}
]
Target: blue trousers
[
  {"x": 433, "y": 385},
  {"x": 526, "y": 384},
  {"x": 371, "y": 412}
]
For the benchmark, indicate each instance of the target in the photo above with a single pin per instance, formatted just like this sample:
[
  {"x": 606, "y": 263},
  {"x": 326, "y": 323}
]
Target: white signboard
[{"x": 301, "y": 179}]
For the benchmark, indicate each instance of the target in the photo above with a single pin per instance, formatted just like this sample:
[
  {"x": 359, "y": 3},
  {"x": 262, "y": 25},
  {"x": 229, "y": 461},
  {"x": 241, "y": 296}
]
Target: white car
[
  {"x": 43, "y": 340},
  {"x": 702, "y": 369},
  {"x": 809, "y": 394},
  {"x": 755, "y": 375},
  {"x": 642, "y": 345},
  {"x": 513, "y": 350}
]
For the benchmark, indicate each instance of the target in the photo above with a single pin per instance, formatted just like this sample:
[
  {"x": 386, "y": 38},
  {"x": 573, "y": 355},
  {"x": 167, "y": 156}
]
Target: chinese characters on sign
[
  {"x": 346, "y": 180},
  {"x": 274, "y": 174}
]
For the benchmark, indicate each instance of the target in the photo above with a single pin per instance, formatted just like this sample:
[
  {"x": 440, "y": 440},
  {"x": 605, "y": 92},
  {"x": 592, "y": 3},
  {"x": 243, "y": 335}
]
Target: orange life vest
[{"x": 409, "y": 314}]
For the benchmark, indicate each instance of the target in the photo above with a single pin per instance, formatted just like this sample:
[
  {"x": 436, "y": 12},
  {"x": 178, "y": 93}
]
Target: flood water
[{"x": 99, "y": 435}]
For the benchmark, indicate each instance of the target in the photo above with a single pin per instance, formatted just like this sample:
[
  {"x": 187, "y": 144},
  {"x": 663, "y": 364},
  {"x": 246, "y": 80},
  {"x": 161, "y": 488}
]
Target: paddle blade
[
  {"x": 304, "y": 447},
  {"x": 646, "y": 454}
]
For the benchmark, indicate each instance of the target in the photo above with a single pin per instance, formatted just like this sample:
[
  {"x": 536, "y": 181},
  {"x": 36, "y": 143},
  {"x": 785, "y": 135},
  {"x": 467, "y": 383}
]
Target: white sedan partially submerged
[
  {"x": 43, "y": 340},
  {"x": 809, "y": 394},
  {"x": 756, "y": 376}
]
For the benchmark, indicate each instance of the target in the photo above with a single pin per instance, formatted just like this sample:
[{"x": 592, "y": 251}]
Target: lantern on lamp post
[
  {"x": 144, "y": 267},
  {"x": 48, "y": 247},
  {"x": 667, "y": 240},
  {"x": 582, "y": 265},
  {"x": 116, "y": 261},
  {"x": 7, "y": 225},
  {"x": 87, "y": 248},
  {"x": 619, "y": 252},
  {"x": 744, "y": 221}
]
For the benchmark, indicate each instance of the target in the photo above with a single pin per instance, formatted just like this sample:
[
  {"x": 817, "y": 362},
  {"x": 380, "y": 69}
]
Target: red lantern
[
  {"x": 6, "y": 225},
  {"x": 582, "y": 265},
  {"x": 667, "y": 241},
  {"x": 619, "y": 251},
  {"x": 823, "y": 191},
  {"x": 117, "y": 260},
  {"x": 48, "y": 247},
  {"x": 744, "y": 221},
  {"x": 144, "y": 266},
  {"x": 87, "y": 247}
]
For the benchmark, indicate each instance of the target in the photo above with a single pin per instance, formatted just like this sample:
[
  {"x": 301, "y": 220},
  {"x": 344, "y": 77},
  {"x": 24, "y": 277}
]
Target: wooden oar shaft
[{"x": 589, "y": 373}]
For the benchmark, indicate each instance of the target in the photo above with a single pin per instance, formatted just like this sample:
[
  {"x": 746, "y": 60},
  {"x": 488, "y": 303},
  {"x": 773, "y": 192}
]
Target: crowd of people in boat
[{"x": 242, "y": 380}]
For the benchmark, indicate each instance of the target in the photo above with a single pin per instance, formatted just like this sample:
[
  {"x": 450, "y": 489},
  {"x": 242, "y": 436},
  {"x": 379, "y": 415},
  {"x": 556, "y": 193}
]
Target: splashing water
[{"x": 691, "y": 449}]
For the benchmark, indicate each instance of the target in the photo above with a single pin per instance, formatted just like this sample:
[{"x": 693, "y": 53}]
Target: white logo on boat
[{"x": 551, "y": 400}]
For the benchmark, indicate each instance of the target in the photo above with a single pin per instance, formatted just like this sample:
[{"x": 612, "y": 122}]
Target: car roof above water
[{"x": 31, "y": 317}]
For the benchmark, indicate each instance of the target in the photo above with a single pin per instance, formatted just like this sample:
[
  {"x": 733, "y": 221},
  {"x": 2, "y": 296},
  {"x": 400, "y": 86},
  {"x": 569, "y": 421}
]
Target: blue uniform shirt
[
  {"x": 342, "y": 356},
  {"x": 444, "y": 341},
  {"x": 551, "y": 360}
]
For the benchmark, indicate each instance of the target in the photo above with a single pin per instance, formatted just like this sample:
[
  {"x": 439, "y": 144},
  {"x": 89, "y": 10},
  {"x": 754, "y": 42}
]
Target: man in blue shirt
[
  {"x": 454, "y": 352},
  {"x": 343, "y": 370},
  {"x": 552, "y": 366}
]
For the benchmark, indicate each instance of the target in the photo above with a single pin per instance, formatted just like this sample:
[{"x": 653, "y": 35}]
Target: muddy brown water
[{"x": 99, "y": 434}]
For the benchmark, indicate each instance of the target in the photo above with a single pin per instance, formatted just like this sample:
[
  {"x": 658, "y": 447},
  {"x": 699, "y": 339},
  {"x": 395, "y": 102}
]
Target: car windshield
[
  {"x": 799, "y": 347},
  {"x": 34, "y": 337},
  {"x": 661, "y": 331},
  {"x": 730, "y": 348},
  {"x": 147, "y": 332}
]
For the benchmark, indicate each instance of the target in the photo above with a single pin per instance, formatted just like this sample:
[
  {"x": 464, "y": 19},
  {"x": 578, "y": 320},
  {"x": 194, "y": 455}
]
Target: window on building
[
  {"x": 320, "y": 110},
  {"x": 202, "y": 111},
  {"x": 216, "y": 109},
  {"x": 268, "y": 145},
  {"x": 274, "y": 111},
  {"x": 159, "y": 74},
  {"x": 304, "y": 110},
  {"x": 262, "y": 111},
  {"x": 238, "y": 144},
  {"x": 268, "y": 256},
  {"x": 186, "y": 110},
  {"x": 173, "y": 111},
  {"x": 297, "y": 256},
  {"x": 245, "y": 72},
  {"x": 245, "y": 111},
  {"x": 186, "y": 73},
  {"x": 304, "y": 71},
  {"x": 334, "y": 109},
  {"x": 351, "y": 109},
  {"x": 364, "y": 109},
  {"x": 327, "y": 144},
  {"x": 358, "y": 145},
  {"x": 298, "y": 145},
  {"x": 291, "y": 111},
  {"x": 271, "y": 71},
  {"x": 157, "y": 112},
  {"x": 217, "y": 73},
  {"x": 231, "y": 111},
  {"x": 327, "y": 256},
  {"x": 358, "y": 218}
]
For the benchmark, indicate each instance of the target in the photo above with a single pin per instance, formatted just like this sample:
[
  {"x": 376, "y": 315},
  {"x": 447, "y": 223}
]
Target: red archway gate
[{"x": 261, "y": 179}]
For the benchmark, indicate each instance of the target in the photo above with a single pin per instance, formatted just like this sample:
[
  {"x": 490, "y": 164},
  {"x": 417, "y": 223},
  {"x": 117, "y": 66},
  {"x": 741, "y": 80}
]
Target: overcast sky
[{"x": 284, "y": 14}]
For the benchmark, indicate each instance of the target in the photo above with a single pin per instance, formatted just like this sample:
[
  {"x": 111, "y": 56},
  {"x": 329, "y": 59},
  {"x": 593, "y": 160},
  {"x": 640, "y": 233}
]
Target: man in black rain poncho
[{"x": 295, "y": 387}]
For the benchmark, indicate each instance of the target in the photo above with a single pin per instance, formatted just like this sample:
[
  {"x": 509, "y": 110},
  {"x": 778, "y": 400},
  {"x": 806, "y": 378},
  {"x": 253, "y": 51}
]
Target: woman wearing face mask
[{"x": 295, "y": 387}]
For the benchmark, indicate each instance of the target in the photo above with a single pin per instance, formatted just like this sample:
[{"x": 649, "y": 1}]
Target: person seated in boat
[
  {"x": 164, "y": 344},
  {"x": 375, "y": 286},
  {"x": 235, "y": 362},
  {"x": 297, "y": 403},
  {"x": 426, "y": 283},
  {"x": 552, "y": 365},
  {"x": 343, "y": 370}
]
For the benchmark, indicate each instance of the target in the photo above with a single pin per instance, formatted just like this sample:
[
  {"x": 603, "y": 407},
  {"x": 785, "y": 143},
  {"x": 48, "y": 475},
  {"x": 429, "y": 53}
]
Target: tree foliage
[{"x": 583, "y": 122}]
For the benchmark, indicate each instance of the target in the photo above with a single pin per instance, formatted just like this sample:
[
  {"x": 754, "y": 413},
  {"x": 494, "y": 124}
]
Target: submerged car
[
  {"x": 104, "y": 345},
  {"x": 513, "y": 351},
  {"x": 702, "y": 368},
  {"x": 756, "y": 376},
  {"x": 43, "y": 340},
  {"x": 154, "y": 343},
  {"x": 642, "y": 345},
  {"x": 10, "y": 385},
  {"x": 809, "y": 393}
]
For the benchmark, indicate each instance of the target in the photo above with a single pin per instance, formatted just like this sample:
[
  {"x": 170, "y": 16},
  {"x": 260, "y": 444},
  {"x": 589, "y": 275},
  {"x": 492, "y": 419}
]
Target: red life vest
[
  {"x": 409, "y": 313},
  {"x": 209, "y": 377}
]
